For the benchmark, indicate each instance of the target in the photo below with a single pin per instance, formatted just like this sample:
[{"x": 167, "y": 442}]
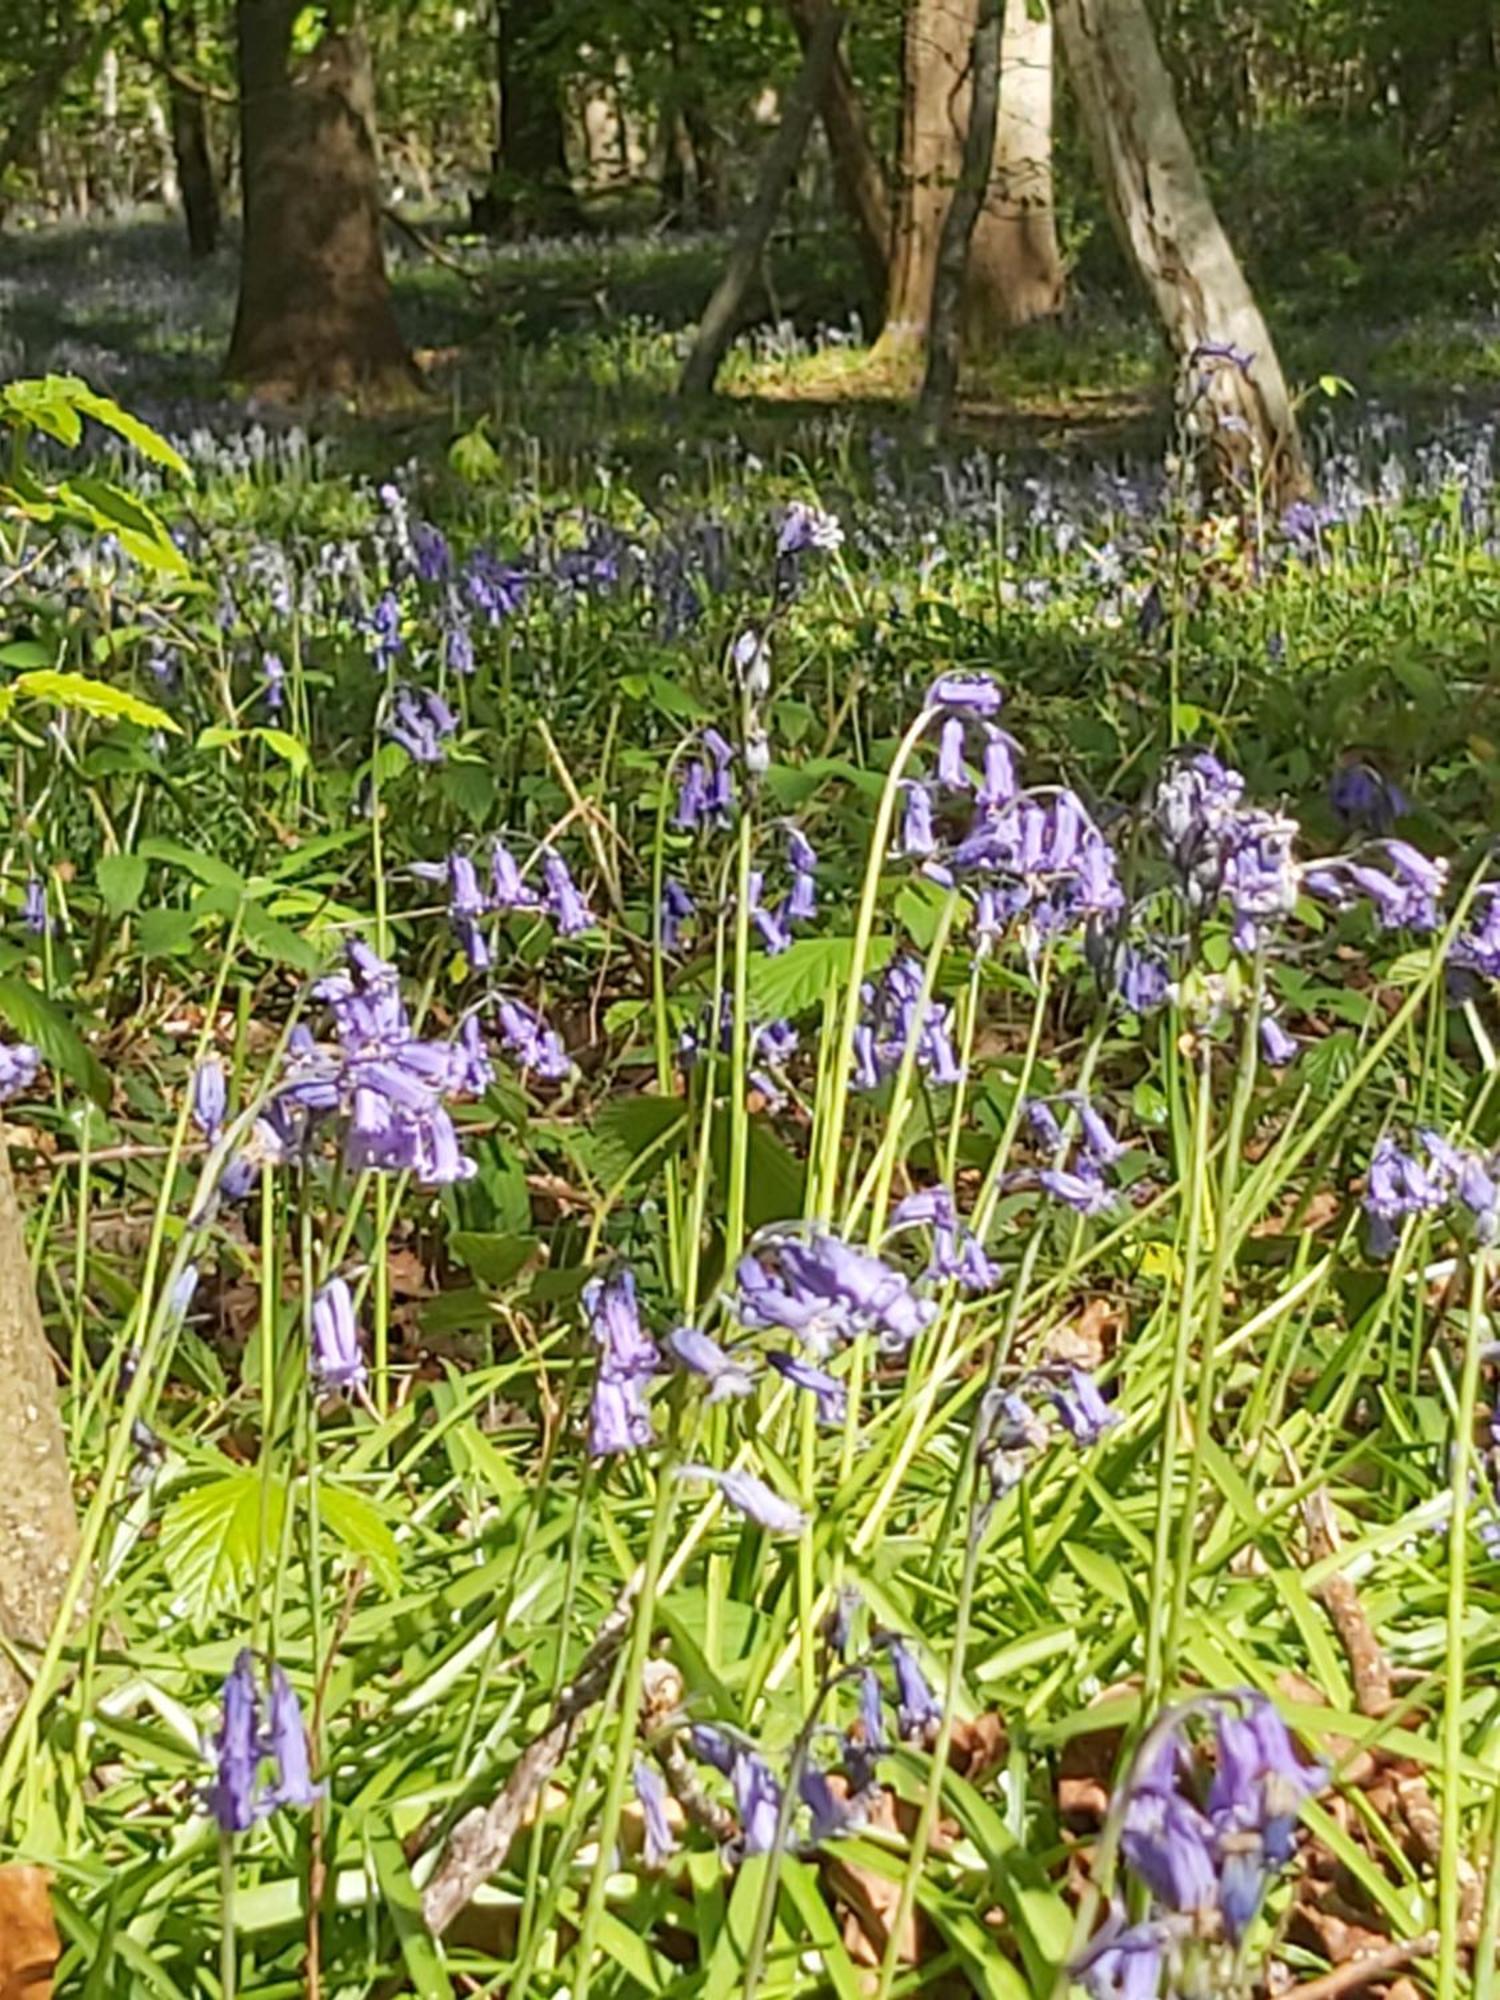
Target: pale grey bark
[
  {"x": 38, "y": 1524},
  {"x": 1173, "y": 237},
  {"x": 1018, "y": 275},
  {"x": 943, "y": 336}
]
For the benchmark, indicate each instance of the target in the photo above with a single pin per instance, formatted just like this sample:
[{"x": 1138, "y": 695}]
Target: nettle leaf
[
  {"x": 495, "y": 1259},
  {"x": 796, "y": 980},
  {"x": 91, "y": 697},
  {"x": 214, "y": 1535},
  {"x": 631, "y": 1134},
  {"x": 364, "y": 1531},
  {"x": 38, "y": 1019}
]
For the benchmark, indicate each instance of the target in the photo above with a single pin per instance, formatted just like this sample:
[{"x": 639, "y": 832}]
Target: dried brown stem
[{"x": 1359, "y": 1971}]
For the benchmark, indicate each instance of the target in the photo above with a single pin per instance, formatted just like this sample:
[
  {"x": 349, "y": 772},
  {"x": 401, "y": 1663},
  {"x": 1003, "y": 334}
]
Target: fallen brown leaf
[{"x": 29, "y": 1944}]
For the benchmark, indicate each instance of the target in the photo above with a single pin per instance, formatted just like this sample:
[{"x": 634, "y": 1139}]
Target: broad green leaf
[
  {"x": 494, "y": 1259},
  {"x": 79, "y": 691},
  {"x": 205, "y": 867},
  {"x": 37, "y": 1018},
  {"x": 796, "y": 979},
  {"x": 149, "y": 443},
  {"x": 364, "y": 1531},
  {"x": 634, "y": 1132},
  {"x": 281, "y": 743},
  {"x": 121, "y": 879},
  {"x": 165, "y": 933},
  {"x": 211, "y": 1537}
]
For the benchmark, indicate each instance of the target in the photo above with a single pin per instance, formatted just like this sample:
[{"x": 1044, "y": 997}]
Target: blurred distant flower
[
  {"x": 1365, "y": 798},
  {"x": 1277, "y": 1047},
  {"x": 565, "y": 905},
  {"x": 831, "y": 1395},
  {"x": 677, "y": 909},
  {"x": 757, "y": 1501},
  {"x": 273, "y": 682},
  {"x": 421, "y": 722},
  {"x": 535, "y": 1046},
  {"x": 725, "y": 1375},
  {"x": 210, "y": 1097},
  {"x": 34, "y": 907},
  {"x": 661, "y": 1842},
  {"x": 1083, "y": 1412},
  {"x": 806, "y": 527},
  {"x": 384, "y": 627}
]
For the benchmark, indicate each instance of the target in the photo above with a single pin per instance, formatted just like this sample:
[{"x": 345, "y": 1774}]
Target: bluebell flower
[
  {"x": 183, "y": 1292},
  {"x": 614, "y": 1316},
  {"x": 918, "y": 1713},
  {"x": 725, "y": 1375},
  {"x": 34, "y": 906},
  {"x": 234, "y": 1798},
  {"x": 384, "y": 627},
  {"x": 497, "y": 590},
  {"x": 508, "y": 888},
  {"x": 431, "y": 556},
  {"x": 421, "y": 723},
  {"x": 805, "y": 527},
  {"x": 952, "y": 771},
  {"x": 825, "y": 1290},
  {"x": 1080, "y": 1187},
  {"x": 802, "y": 902},
  {"x": 1083, "y": 1412},
  {"x": 1476, "y": 949},
  {"x": 831, "y": 1395},
  {"x": 565, "y": 905},
  {"x": 661, "y": 1842},
  {"x": 758, "y": 1799},
  {"x": 1398, "y": 1185},
  {"x": 711, "y": 1746},
  {"x": 536, "y": 1047},
  {"x": 1170, "y": 1845},
  {"x": 273, "y": 683},
  {"x": 1101, "y": 1145},
  {"x": 287, "y": 1745},
  {"x": 1277, "y": 1047},
  {"x": 967, "y": 694},
  {"x": 210, "y": 1097},
  {"x": 998, "y": 786},
  {"x": 892, "y": 1019},
  {"x": 19, "y": 1069},
  {"x": 473, "y": 1072},
  {"x": 1123, "y": 1962},
  {"x": 775, "y": 931},
  {"x": 956, "y": 1252},
  {"x": 677, "y": 909},
  {"x": 1365, "y": 798},
  {"x": 1143, "y": 982},
  {"x": 619, "y": 1418},
  {"x": 336, "y": 1359},
  {"x": 830, "y": 1815},
  {"x": 917, "y": 835},
  {"x": 753, "y": 1498}
]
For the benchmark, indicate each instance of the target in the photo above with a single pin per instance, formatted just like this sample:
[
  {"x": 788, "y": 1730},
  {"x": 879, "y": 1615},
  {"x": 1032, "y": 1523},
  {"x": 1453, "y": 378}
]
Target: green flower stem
[
  {"x": 1450, "y": 1857},
  {"x": 228, "y": 1969}
]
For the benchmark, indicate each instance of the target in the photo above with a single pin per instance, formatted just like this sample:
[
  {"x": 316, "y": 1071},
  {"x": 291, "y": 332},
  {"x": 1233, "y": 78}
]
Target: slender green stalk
[
  {"x": 228, "y": 1957},
  {"x": 1451, "y": 1856}
]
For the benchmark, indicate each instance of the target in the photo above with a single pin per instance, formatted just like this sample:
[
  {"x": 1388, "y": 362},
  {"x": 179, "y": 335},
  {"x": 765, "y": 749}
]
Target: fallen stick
[
  {"x": 1356, "y": 1973},
  {"x": 478, "y": 1845}
]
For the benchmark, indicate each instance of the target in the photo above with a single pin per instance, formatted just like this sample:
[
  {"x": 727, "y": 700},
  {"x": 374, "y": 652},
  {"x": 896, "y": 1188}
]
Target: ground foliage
[{"x": 292, "y": 675}]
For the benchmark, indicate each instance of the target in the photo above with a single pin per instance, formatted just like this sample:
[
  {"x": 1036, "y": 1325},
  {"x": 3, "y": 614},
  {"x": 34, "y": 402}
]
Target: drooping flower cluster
[
  {"x": 825, "y": 1291},
  {"x": 20, "y": 1065},
  {"x": 421, "y": 722},
  {"x": 1075, "y": 1171},
  {"x": 389, "y": 1084},
  {"x": 798, "y": 905},
  {"x": 957, "y": 1252},
  {"x": 469, "y": 903},
  {"x": 1205, "y": 1853},
  {"x": 1014, "y": 1430},
  {"x": 619, "y": 1418},
  {"x": 893, "y": 1017},
  {"x": 1439, "y": 1178},
  {"x": 258, "y": 1727}
]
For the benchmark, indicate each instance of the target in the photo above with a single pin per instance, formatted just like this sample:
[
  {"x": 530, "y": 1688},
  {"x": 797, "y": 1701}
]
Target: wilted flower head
[{"x": 702, "y": 1356}]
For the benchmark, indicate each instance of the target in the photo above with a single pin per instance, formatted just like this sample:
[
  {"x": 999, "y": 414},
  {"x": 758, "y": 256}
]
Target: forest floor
[{"x": 859, "y": 1072}]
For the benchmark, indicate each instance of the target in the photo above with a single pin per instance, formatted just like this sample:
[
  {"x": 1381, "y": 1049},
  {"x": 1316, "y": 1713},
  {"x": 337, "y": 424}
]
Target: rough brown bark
[
  {"x": 944, "y": 331},
  {"x": 1015, "y": 272},
  {"x": 189, "y": 122},
  {"x": 38, "y": 1525},
  {"x": 1167, "y": 224},
  {"x": 856, "y": 165},
  {"x": 716, "y": 328},
  {"x": 314, "y": 313}
]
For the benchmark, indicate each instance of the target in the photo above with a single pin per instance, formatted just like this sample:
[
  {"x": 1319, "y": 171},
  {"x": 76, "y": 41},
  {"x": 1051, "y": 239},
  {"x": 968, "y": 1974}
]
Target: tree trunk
[
  {"x": 195, "y": 167},
  {"x": 856, "y": 165},
  {"x": 314, "y": 312},
  {"x": 785, "y": 151},
  {"x": 935, "y": 40},
  {"x": 1015, "y": 272},
  {"x": 38, "y": 1525},
  {"x": 531, "y": 187},
  {"x": 944, "y": 332},
  {"x": 1232, "y": 386}
]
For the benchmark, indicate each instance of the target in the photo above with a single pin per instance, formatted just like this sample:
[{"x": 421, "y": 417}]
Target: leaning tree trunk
[
  {"x": 944, "y": 332},
  {"x": 856, "y": 164},
  {"x": 1015, "y": 272},
  {"x": 783, "y": 155},
  {"x": 38, "y": 1526},
  {"x": 314, "y": 311},
  {"x": 1231, "y": 378},
  {"x": 196, "y": 185},
  {"x": 935, "y": 40}
]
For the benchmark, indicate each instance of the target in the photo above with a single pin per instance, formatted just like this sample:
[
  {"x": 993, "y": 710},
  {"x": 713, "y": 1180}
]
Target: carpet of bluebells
[{"x": 767, "y": 1197}]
